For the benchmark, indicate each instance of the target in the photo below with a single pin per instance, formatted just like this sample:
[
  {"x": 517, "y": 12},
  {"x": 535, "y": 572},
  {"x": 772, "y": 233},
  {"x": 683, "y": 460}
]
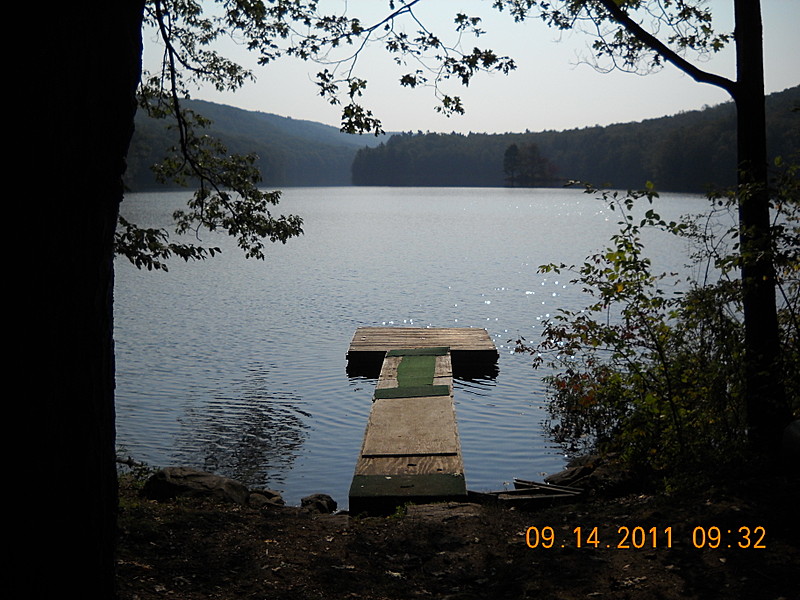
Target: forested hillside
[
  {"x": 685, "y": 152},
  {"x": 291, "y": 152}
]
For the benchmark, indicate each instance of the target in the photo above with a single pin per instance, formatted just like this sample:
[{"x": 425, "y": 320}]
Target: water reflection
[
  {"x": 367, "y": 365},
  {"x": 254, "y": 436},
  {"x": 477, "y": 386}
]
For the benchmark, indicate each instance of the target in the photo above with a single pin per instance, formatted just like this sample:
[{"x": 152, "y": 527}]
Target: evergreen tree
[{"x": 511, "y": 164}]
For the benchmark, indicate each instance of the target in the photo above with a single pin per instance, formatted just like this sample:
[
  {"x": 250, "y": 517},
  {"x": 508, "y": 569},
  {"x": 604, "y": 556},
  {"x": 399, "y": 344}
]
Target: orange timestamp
[{"x": 647, "y": 537}]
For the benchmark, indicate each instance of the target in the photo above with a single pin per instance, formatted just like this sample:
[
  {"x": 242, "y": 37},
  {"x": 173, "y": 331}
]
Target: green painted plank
[
  {"x": 419, "y": 391},
  {"x": 433, "y": 485},
  {"x": 433, "y": 351},
  {"x": 416, "y": 370}
]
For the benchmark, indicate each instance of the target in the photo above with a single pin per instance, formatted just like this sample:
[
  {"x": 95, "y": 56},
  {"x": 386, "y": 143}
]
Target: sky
[{"x": 552, "y": 88}]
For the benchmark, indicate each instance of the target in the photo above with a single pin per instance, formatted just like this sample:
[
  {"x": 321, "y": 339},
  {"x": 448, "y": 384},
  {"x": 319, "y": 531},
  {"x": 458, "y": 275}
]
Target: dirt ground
[{"x": 203, "y": 549}]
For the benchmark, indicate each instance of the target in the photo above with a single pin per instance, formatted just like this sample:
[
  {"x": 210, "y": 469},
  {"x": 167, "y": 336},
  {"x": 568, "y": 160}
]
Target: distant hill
[
  {"x": 685, "y": 152},
  {"x": 291, "y": 152}
]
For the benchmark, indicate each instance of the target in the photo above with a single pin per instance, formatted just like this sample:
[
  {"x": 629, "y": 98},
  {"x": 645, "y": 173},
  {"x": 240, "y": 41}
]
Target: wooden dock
[
  {"x": 472, "y": 350},
  {"x": 411, "y": 450}
]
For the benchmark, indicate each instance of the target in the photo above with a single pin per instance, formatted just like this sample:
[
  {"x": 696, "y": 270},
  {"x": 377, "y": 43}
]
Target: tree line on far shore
[{"x": 686, "y": 152}]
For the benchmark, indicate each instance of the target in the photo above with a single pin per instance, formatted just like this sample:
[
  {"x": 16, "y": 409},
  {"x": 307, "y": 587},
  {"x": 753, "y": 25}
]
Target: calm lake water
[{"x": 238, "y": 366}]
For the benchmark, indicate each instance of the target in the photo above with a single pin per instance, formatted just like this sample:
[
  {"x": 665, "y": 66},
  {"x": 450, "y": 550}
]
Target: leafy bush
[{"x": 654, "y": 373}]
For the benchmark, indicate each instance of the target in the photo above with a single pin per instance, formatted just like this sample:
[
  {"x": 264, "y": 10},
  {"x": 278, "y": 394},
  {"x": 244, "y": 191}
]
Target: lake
[{"x": 238, "y": 366}]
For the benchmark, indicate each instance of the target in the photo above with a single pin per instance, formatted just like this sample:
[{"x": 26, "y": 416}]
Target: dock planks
[
  {"x": 411, "y": 451},
  {"x": 472, "y": 350},
  {"x": 411, "y": 427},
  {"x": 382, "y": 339}
]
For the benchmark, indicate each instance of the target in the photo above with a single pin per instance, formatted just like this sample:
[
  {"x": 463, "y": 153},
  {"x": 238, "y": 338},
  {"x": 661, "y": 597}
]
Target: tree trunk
[
  {"x": 84, "y": 101},
  {"x": 767, "y": 411}
]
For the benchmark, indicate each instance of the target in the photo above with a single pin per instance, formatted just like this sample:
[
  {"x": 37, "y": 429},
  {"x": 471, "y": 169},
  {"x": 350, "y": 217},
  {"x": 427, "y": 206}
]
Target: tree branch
[{"x": 665, "y": 51}]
